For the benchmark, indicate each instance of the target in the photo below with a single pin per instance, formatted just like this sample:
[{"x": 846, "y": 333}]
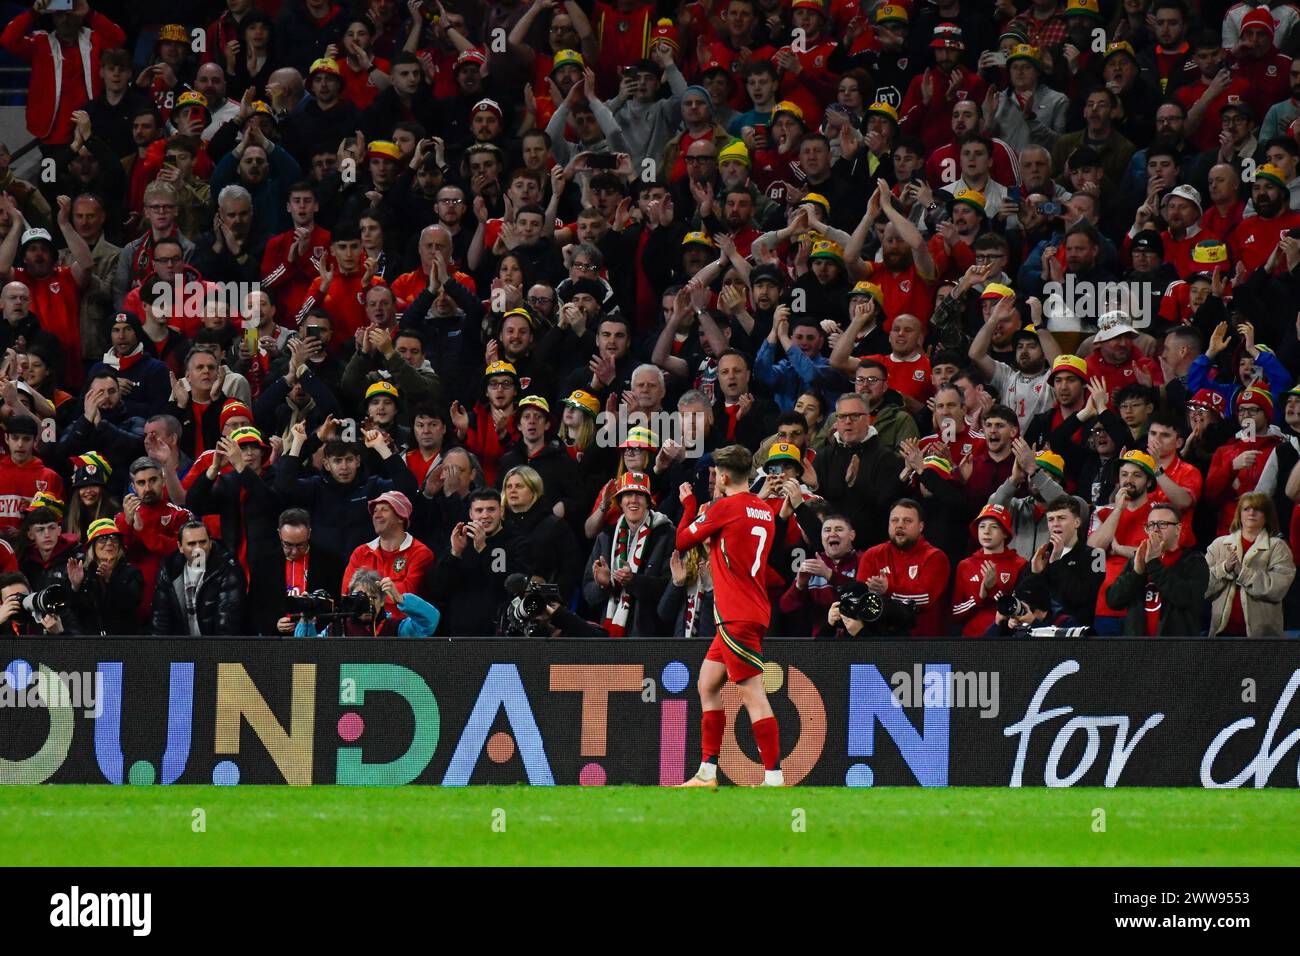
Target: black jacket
[
  {"x": 340, "y": 518},
  {"x": 248, "y": 507},
  {"x": 110, "y": 608},
  {"x": 119, "y": 437},
  {"x": 452, "y": 345},
  {"x": 1075, "y": 579},
  {"x": 875, "y": 488},
  {"x": 471, "y": 590},
  {"x": 267, "y": 596},
  {"x": 1182, "y": 587},
  {"x": 561, "y": 479},
  {"x": 646, "y": 587},
  {"x": 551, "y": 542},
  {"x": 219, "y": 601}
]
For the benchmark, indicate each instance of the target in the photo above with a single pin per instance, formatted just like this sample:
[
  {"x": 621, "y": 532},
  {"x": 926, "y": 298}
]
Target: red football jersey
[{"x": 740, "y": 529}]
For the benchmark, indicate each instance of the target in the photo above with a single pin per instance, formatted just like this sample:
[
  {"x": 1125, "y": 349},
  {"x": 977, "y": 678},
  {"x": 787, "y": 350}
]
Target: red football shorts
[{"x": 738, "y": 645}]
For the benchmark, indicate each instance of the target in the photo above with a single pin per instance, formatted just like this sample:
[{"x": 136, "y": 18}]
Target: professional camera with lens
[
  {"x": 321, "y": 605},
  {"x": 528, "y": 612},
  {"x": 1009, "y": 606},
  {"x": 880, "y": 615},
  {"x": 48, "y": 600}
]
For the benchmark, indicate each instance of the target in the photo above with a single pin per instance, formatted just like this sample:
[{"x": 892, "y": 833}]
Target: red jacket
[
  {"x": 1224, "y": 484},
  {"x": 146, "y": 548},
  {"x": 406, "y": 566},
  {"x": 933, "y": 124},
  {"x": 288, "y": 280},
  {"x": 972, "y": 612},
  {"x": 918, "y": 575},
  {"x": 49, "y": 112},
  {"x": 19, "y": 484}
]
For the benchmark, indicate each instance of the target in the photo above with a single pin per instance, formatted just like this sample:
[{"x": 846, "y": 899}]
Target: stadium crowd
[{"x": 414, "y": 303}]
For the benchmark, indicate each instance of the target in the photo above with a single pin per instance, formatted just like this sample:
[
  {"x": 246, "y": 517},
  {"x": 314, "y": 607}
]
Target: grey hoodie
[{"x": 647, "y": 127}]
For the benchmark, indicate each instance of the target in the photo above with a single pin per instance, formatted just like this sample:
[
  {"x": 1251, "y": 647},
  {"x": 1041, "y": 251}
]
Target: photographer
[
  {"x": 367, "y": 617},
  {"x": 1030, "y": 605},
  {"x": 535, "y": 610},
  {"x": 907, "y": 568},
  {"x": 297, "y": 569},
  {"x": 862, "y": 612},
  {"x": 15, "y": 615}
]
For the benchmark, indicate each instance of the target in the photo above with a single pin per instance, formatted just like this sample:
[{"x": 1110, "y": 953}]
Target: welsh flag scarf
[{"x": 628, "y": 552}]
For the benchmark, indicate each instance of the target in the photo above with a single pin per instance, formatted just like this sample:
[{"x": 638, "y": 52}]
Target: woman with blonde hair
[
  {"x": 1251, "y": 570},
  {"x": 554, "y": 548}
]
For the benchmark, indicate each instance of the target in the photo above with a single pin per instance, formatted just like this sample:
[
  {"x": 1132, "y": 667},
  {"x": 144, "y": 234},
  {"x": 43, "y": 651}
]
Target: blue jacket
[
  {"x": 421, "y": 620},
  {"x": 793, "y": 375},
  {"x": 1279, "y": 380},
  {"x": 270, "y": 199}
]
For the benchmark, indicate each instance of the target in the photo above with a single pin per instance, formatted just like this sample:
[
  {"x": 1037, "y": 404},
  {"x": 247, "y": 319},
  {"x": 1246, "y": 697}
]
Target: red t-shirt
[
  {"x": 910, "y": 377},
  {"x": 1207, "y": 134},
  {"x": 1117, "y": 376},
  {"x": 741, "y": 530},
  {"x": 1185, "y": 475},
  {"x": 905, "y": 292}
]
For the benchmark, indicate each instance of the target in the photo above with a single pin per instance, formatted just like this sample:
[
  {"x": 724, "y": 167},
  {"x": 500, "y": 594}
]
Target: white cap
[
  {"x": 1112, "y": 325},
  {"x": 1189, "y": 193},
  {"x": 31, "y": 235}
]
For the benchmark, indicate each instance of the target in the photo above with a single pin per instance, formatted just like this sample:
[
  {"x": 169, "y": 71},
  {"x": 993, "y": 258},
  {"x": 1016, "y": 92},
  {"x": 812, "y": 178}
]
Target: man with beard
[
  {"x": 1253, "y": 240},
  {"x": 1116, "y": 359},
  {"x": 948, "y": 81},
  {"x": 907, "y": 568},
  {"x": 856, "y": 472},
  {"x": 1119, "y": 529},
  {"x": 909, "y": 268},
  {"x": 1170, "y": 58},
  {"x": 991, "y": 465},
  {"x": 1023, "y": 388},
  {"x": 150, "y": 525},
  {"x": 517, "y": 343},
  {"x": 1171, "y": 130},
  {"x": 1182, "y": 213},
  {"x": 470, "y": 580},
  {"x": 739, "y": 416},
  {"x": 943, "y": 162},
  {"x": 611, "y": 367}
]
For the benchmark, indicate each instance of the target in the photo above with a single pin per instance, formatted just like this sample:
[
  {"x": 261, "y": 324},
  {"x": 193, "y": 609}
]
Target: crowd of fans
[{"x": 322, "y": 319}]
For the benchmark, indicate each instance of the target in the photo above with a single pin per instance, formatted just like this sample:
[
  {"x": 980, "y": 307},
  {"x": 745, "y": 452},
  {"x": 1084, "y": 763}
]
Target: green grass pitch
[{"x": 325, "y": 826}]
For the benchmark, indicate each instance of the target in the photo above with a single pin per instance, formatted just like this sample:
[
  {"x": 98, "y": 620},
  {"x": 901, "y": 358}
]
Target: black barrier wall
[{"x": 942, "y": 713}]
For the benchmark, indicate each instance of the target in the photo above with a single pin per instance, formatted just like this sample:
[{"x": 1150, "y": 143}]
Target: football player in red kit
[{"x": 739, "y": 529}]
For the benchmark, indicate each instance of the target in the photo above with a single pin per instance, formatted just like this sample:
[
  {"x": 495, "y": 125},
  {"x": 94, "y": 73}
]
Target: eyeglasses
[
  {"x": 584, "y": 267},
  {"x": 541, "y": 299},
  {"x": 850, "y": 416},
  {"x": 169, "y": 260},
  {"x": 701, "y": 159},
  {"x": 159, "y": 206},
  {"x": 452, "y": 202},
  {"x": 868, "y": 380},
  {"x": 1161, "y": 525},
  {"x": 990, "y": 256}
]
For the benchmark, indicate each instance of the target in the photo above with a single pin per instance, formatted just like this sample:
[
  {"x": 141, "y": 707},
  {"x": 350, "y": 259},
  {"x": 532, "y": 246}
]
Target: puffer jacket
[{"x": 219, "y": 600}]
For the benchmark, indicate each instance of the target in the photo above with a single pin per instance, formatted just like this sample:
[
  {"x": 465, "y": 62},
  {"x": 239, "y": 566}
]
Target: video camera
[
  {"x": 881, "y": 615},
  {"x": 527, "y": 614},
  {"x": 321, "y": 605}
]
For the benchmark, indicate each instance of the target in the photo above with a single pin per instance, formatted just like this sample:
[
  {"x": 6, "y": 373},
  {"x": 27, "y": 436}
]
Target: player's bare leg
[
  {"x": 713, "y": 674},
  {"x": 766, "y": 733}
]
